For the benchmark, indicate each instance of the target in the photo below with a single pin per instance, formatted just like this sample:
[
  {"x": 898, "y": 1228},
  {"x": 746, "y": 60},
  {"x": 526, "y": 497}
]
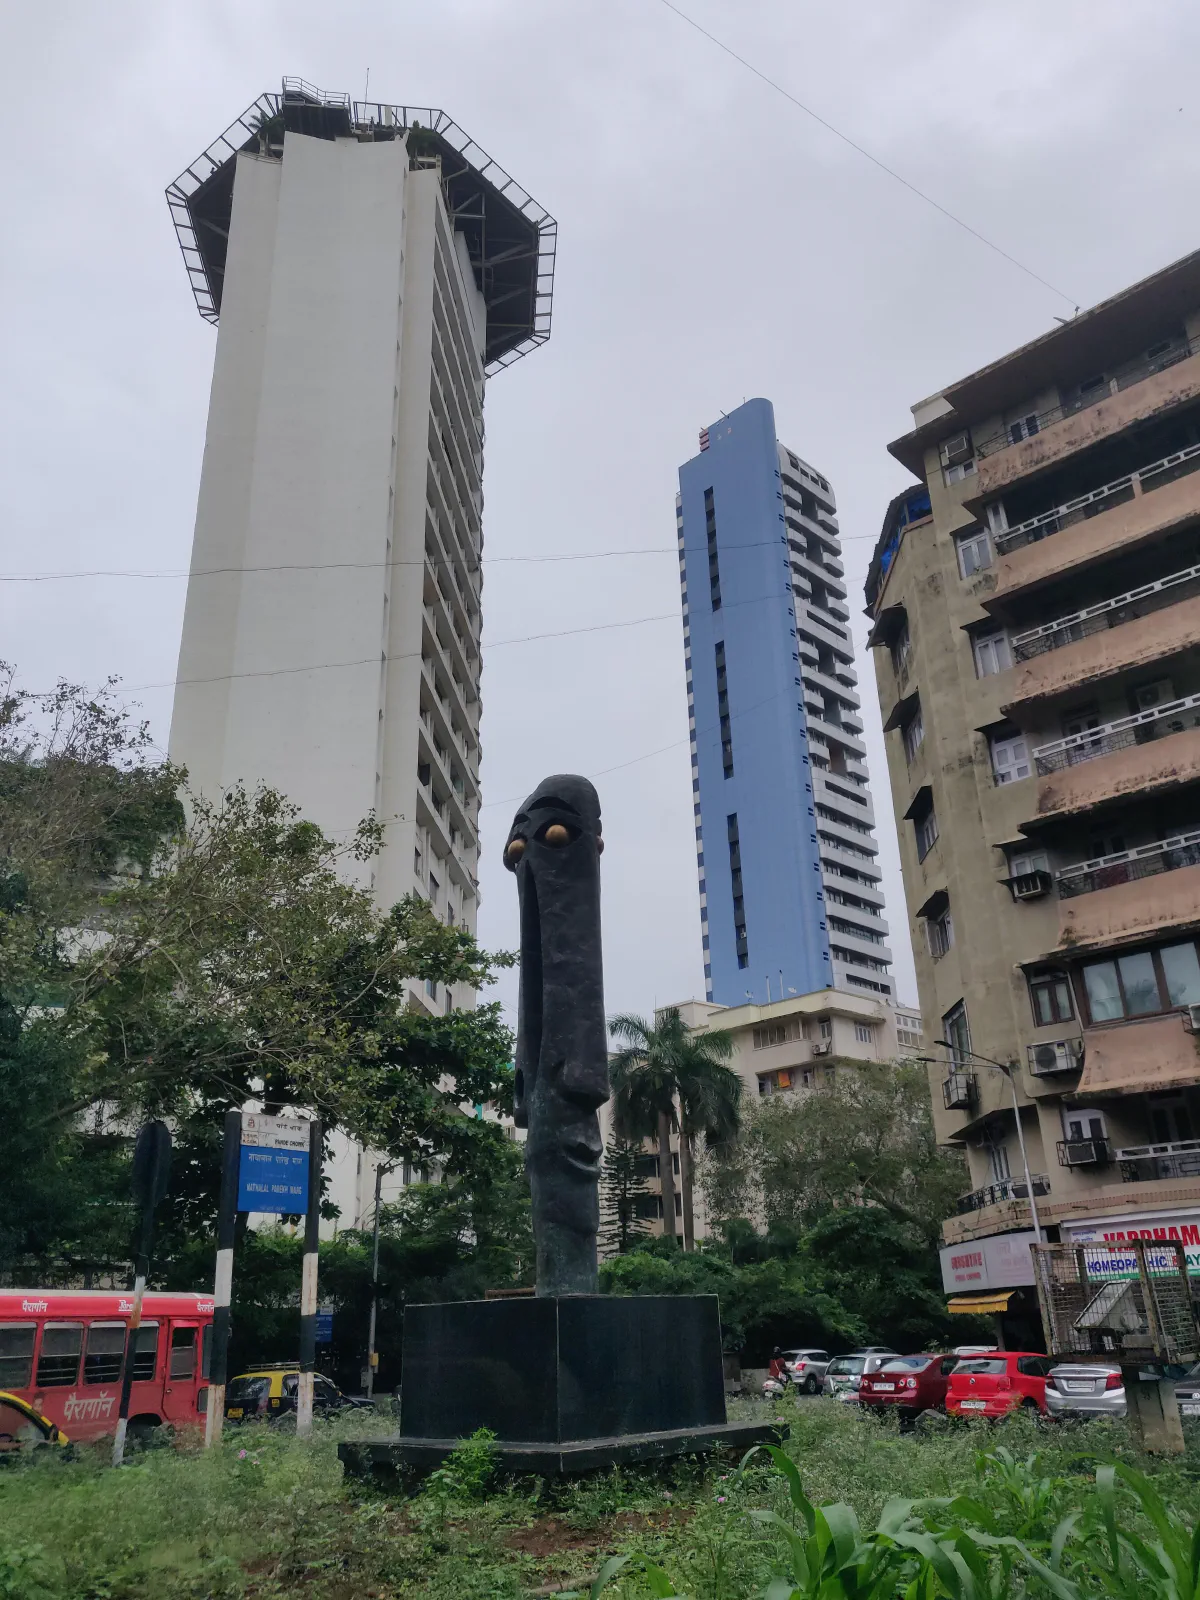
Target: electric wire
[{"x": 773, "y": 83}]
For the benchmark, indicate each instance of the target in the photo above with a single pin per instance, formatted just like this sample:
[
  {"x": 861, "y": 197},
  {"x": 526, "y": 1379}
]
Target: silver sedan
[{"x": 1085, "y": 1389}]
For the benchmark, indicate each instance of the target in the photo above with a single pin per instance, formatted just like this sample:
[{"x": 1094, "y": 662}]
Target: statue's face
[{"x": 553, "y": 849}]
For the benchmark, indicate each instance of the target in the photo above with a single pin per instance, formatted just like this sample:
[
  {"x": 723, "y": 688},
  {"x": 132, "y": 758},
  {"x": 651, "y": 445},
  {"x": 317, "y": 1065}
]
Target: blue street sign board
[
  {"x": 324, "y": 1327},
  {"x": 272, "y": 1180},
  {"x": 273, "y": 1167}
]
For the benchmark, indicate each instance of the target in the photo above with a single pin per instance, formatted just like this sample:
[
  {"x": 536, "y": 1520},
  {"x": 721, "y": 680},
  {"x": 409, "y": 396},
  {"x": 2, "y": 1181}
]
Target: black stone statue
[{"x": 553, "y": 848}]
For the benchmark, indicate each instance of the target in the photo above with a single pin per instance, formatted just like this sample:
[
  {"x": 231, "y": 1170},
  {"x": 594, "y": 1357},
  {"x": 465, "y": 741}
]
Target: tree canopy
[{"x": 165, "y": 955}]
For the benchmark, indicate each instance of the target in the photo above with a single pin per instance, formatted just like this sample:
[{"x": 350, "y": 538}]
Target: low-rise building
[{"x": 789, "y": 1047}]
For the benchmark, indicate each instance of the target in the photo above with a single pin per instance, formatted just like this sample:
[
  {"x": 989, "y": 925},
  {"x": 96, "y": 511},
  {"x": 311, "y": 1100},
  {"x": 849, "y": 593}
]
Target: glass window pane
[
  {"x": 1104, "y": 997},
  {"x": 1140, "y": 984},
  {"x": 183, "y": 1352},
  {"x": 1182, "y": 972},
  {"x": 145, "y": 1352},
  {"x": 105, "y": 1352},
  {"x": 58, "y": 1362},
  {"x": 16, "y": 1354}
]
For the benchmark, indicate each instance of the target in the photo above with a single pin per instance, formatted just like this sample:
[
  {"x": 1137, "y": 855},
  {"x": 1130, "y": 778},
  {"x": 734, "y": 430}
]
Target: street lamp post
[{"x": 1007, "y": 1070}]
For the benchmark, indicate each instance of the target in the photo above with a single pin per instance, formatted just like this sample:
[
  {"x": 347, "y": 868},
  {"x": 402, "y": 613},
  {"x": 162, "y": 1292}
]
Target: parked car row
[{"x": 970, "y": 1381}]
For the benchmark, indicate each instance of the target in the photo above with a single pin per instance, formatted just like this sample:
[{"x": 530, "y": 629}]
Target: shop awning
[{"x": 967, "y": 1305}]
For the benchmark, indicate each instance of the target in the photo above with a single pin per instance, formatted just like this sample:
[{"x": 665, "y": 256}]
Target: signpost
[{"x": 268, "y": 1164}]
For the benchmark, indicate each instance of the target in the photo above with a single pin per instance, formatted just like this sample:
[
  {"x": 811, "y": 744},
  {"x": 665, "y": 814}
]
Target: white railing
[
  {"x": 1071, "y": 511},
  {"x": 1077, "y": 625},
  {"x": 1110, "y": 736},
  {"x": 1166, "y": 855}
]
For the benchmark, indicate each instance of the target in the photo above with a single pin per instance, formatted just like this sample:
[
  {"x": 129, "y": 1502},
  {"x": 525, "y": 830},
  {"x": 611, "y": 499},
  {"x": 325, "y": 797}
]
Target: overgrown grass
[{"x": 268, "y": 1515}]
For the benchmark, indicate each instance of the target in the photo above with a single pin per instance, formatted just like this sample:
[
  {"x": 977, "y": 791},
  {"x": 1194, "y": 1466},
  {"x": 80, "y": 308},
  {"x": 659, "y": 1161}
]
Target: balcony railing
[
  {"x": 1148, "y": 478},
  {"x": 1122, "y": 377},
  {"x": 1144, "y": 1163},
  {"x": 1140, "y": 728},
  {"x": 1107, "y": 614},
  {"x": 1147, "y": 861},
  {"x": 993, "y": 1194}
]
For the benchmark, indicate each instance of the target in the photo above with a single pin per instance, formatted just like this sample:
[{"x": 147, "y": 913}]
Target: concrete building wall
[
  {"x": 1033, "y": 607},
  {"x": 331, "y": 633}
]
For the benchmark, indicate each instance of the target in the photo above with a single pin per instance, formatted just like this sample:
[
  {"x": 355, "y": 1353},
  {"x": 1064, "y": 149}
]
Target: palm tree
[{"x": 667, "y": 1080}]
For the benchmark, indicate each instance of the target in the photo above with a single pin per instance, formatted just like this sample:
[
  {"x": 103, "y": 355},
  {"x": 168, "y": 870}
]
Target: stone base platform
[
  {"x": 565, "y": 1384},
  {"x": 391, "y": 1460}
]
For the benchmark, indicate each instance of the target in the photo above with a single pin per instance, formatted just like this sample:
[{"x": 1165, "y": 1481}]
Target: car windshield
[
  {"x": 845, "y": 1364},
  {"x": 243, "y": 1389},
  {"x": 907, "y": 1364},
  {"x": 993, "y": 1366}
]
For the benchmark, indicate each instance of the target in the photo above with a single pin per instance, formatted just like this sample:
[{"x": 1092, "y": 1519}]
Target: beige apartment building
[
  {"x": 1036, "y": 614},
  {"x": 789, "y": 1047}
]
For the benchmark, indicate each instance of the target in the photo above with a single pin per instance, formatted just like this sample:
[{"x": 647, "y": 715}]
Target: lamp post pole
[
  {"x": 372, "y": 1357},
  {"x": 1007, "y": 1070}
]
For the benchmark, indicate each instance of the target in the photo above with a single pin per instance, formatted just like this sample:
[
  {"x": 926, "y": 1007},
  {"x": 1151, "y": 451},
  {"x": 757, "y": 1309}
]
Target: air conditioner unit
[
  {"x": 823, "y": 1048},
  {"x": 957, "y": 449},
  {"x": 1193, "y": 1018},
  {"x": 1030, "y": 885},
  {"x": 1056, "y": 1055},
  {"x": 1154, "y": 694}
]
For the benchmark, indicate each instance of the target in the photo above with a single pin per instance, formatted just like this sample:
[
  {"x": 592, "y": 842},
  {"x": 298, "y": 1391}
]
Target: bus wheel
[{"x": 145, "y": 1430}]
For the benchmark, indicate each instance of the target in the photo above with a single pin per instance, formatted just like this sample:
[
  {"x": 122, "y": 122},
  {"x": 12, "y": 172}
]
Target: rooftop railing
[
  {"x": 1145, "y": 479},
  {"x": 1140, "y": 728},
  {"x": 1105, "y": 614},
  {"x": 1122, "y": 377},
  {"x": 1008, "y": 1189},
  {"x": 1125, "y": 866}
]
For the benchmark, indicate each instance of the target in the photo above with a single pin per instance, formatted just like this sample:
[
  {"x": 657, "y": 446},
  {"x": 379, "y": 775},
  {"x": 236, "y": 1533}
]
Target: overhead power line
[
  {"x": 370, "y": 566},
  {"x": 773, "y": 83}
]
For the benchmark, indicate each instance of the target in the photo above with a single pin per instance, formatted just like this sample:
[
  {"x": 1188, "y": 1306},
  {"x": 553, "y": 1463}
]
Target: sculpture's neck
[{"x": 566, "y": 1261}]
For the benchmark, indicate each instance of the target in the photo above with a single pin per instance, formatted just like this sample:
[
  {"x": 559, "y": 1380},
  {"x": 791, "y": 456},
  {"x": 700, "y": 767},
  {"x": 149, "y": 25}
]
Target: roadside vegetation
[{"x": 851, "y": 1510}]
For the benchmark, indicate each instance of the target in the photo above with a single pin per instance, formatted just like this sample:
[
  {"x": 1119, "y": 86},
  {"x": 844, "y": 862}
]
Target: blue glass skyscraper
[{"x": 790, "y": 896}]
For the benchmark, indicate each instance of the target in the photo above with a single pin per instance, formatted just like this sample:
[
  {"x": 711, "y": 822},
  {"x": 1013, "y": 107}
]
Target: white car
[
  {"x": 844, "y": 1374},
  {"x": 807, "y": 1368}
]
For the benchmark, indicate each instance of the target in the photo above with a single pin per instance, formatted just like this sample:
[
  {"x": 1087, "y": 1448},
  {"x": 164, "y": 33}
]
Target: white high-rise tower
[{"x": 369, "y": 267}]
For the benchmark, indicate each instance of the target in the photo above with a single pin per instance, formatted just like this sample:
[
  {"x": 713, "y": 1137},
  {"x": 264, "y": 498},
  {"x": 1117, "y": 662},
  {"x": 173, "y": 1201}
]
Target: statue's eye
[
  {"x": 513, "y": 852},
  {"x": 557, "y": 834}
]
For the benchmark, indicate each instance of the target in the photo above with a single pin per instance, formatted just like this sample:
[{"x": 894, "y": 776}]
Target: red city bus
[{"x": 61, "y": 1351}]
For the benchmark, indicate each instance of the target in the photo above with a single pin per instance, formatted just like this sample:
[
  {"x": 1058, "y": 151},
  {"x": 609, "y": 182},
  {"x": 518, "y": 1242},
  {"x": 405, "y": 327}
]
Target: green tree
[
  {"x": 666, "y": 1079},
  {"x": 152, "y": 964},
  {"x": 623, "y": 1194},
  {"x": 864, "y": 1138}
]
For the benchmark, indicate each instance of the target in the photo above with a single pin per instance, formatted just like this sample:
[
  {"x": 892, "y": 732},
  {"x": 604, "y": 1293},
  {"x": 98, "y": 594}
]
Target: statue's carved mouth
[{"x": 583, "y": 1157}]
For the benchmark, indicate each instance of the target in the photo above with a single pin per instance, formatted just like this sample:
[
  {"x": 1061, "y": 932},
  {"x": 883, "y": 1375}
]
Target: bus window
[
  {"x": 145, "y": 1353},
  {"x": 16, "y": 1354},
  {"x": 183, "y": 1353},
  {"x": 206, "y": 1352},
  {"x": 58, "y": 1360},
  {"x": 105, "y": 1353}
]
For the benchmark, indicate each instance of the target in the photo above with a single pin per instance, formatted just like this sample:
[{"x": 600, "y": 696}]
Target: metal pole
[
  {"x": 151, "y": 1164},
  {"x": 308, "y": 1285},
  {"x": 372, "y": 1358},
  {"x": 231, "y": 1150},
  {"x": 1033, "y": 1210}
]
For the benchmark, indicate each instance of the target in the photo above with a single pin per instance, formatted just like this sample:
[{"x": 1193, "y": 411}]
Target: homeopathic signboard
[{"x": 273, "y": 1164}]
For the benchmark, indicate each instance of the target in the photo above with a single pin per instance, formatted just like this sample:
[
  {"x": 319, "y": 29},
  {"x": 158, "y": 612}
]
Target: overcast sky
[{"x": 714, "y": 243}]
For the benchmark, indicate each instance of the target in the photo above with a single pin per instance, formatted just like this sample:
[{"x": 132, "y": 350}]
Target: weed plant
[{"x": 853, "y": 1510}]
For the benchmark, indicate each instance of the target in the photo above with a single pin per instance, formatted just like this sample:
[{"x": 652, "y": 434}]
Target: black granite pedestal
[{"x": 565, "y": 1384}]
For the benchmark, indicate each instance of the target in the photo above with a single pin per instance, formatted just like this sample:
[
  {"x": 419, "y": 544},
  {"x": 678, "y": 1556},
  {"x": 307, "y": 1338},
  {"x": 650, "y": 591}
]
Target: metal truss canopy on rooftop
[{"x": 510, "y": 238}]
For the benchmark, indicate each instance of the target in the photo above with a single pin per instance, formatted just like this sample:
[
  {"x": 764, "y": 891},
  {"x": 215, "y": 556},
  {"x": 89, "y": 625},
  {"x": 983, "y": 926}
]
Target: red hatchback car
[
  {"x": 911, "y": 1384},
  {"x": 995, "y": 1384}
]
